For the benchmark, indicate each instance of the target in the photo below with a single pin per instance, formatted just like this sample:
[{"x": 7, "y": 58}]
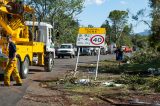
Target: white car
[{"x": 66, "y": 50}]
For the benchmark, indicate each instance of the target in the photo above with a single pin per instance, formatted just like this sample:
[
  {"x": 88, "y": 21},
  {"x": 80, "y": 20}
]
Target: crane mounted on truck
[{"x": 24, "y": 35}]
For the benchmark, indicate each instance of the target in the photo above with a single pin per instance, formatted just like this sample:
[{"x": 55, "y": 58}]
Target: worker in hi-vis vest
[{"x": 11, "y": 68}]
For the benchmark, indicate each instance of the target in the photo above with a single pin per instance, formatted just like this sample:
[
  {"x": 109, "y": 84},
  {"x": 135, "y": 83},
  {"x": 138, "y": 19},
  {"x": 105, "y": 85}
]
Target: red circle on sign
[{"x": 96, "y": 36}]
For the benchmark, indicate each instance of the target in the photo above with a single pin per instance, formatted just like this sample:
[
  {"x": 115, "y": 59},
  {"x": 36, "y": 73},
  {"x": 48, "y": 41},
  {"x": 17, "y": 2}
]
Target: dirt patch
[
  {"x": 95, "y": 94},
  {"x": 132, "y": 99},
  {"x": 76, "y": 94},
  {"x": 48, "y": 99},
  {"x": 75, "y": 98},
  {"x": 82, "y": 100}
]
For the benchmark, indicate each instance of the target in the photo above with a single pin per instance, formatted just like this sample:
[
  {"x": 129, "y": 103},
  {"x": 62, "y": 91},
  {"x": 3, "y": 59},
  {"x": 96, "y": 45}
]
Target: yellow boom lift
[{"x": 12, "y": 23}]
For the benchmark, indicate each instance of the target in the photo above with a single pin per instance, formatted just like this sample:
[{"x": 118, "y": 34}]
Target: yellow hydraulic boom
[
  {"x": 11, "y": 19},
  {"x": 12, "y": 23}
]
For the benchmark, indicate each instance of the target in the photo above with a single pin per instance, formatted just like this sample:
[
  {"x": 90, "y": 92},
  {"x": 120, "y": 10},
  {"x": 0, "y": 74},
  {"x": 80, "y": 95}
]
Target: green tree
[
  {"x": 155, "y": 38},
  {"x": 90, "y": 26},
  {"x": 119, "y": 31},
  {"x": 68, "y": 30},
  {"x": 59, "y": 13},
  {"x": 125, "y": 38},
  {"x": 108, "y": 31},
  {"x": 119, "y": 21},
  {"x": 140, "y": 41}
]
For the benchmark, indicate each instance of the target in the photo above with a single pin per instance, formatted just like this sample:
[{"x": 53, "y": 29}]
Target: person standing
[
  {"x": 119, "y": 54},
  {"x": 12, "y": 65}
]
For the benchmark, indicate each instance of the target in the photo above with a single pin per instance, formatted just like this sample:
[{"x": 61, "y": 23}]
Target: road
[{"x": 9, "y": 96}]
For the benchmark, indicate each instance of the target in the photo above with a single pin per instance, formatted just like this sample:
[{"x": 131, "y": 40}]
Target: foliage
[
  {"x": 138, "y": 63},
  {"x": 59, "y": 13},
  {"x": 154, "y": 83},
  {"x": 108, "y": 31},
  {"x": 136, "y": 82},
  {"x": 125, "y": 39},
  {"x": 155, "y": 38},
  {"x": 132, "y": 79},
  {"x": 119, "y": 20},
  {"x": 117, "y": 29},
  {"x": 140, "y": 41},
  {"x": 145, "y": 56},
  {"x": 68, "y": 29}
]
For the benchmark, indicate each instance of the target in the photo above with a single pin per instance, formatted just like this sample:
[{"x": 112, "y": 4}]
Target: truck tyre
[
  {"x": 62, "y": 56},
  {"x": 59, "y": 56},
  {"x": 70, "y": 56},
  {"x": 24, "y": 68},
  {"x": 49, "y": 63}
]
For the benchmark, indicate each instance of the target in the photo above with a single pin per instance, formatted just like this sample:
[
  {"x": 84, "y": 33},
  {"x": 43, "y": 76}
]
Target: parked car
[
  {"x": 104, "y": 50},
  {"x": 85, "y": 51},
  {"x": 66, "y": 50},
  {"x": 127, "y": 49}
]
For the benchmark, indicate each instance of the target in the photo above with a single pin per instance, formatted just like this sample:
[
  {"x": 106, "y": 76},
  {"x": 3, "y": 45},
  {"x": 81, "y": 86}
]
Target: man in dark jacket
[{"x": 119, "y": 54}]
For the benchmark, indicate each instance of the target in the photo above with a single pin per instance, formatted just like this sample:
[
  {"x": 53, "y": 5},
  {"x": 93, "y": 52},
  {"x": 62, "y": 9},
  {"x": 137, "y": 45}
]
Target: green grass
[{"x": 112, "y": 66}]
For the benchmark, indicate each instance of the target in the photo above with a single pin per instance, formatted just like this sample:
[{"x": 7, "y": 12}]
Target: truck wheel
[
  {"x": 59, "y": 56},
  {"x": 24, "y": 68},
  {"x": 62, "y": 56},
  {"x": 70, "y": 56},
  {"x": 49, "y": 63}
]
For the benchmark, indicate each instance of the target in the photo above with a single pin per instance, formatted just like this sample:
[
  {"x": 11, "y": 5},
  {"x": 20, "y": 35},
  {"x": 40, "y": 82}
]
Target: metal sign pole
[
  {"x": 75, "y": 70},
  {"x": 97, "y": 64}
]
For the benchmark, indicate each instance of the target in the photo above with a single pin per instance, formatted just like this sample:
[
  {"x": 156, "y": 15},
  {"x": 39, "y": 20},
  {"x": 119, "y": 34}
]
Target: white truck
[{"x": 45, "y": 32}]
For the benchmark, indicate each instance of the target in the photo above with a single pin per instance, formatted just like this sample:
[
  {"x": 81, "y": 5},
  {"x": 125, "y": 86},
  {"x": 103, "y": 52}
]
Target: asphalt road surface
[{"x": 9, "y": 96}]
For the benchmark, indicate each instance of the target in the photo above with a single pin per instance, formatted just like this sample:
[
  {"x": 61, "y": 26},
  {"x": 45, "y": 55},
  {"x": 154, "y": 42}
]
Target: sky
[{"x": 95, "y": 12}]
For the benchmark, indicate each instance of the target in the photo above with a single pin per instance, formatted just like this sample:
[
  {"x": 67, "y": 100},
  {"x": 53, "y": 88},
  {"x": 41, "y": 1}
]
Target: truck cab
[
  {"x": 43, "y": 33},
  {"x": 31, "y": 38}
]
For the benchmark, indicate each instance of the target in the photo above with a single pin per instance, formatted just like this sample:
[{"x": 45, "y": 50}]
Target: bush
[
  {"x": 145, "y": 56},
  {"x": 131, "y": 79},
  {"x": 155, "y": 84},
  {"x": 158, "y": 48},
  {"x": 135, "y": 82}
]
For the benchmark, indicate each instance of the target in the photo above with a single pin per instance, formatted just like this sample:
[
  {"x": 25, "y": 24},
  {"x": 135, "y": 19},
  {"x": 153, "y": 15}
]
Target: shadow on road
[
  {"x": 68, "y": 66},
  {"x": 67, "y": 57},
  {"x": 31, "y": 73},
  {"x": 36, "y": 70},
  {"x": 47, "y": 80}
]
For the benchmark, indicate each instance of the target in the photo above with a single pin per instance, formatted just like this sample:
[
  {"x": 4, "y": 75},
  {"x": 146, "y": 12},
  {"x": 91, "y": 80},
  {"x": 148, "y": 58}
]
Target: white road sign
[{"x": 91, "y": 37}]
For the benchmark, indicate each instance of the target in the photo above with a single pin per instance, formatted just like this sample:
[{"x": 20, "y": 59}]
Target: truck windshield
[{"x": 65, "y": 46}]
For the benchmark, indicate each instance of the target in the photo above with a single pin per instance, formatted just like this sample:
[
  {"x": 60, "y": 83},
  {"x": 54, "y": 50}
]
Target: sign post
[
  {"x": 90, "y": 37},
  {"x": 75, "y": 70},
  {"x": 97, "y": 64}
]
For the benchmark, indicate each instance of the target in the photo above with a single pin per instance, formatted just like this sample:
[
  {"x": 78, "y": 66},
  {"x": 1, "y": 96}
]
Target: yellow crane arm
[
  {"x": 9, "y": 7},
  {"x": 28, "y": 9},
  {"x": 6, "y": 27}
]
